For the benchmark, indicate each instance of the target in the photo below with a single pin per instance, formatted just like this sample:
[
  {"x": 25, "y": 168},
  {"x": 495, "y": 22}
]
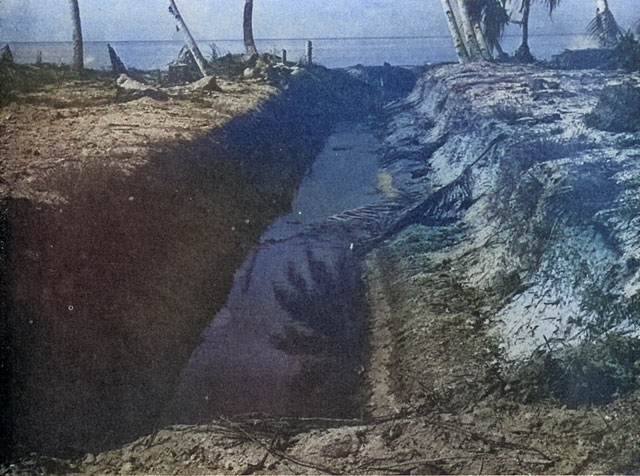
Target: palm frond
[
  {"x": 551, "y": 5},
  {"x": 493, "y": 17},
  {"x": 605, "y": 29}
]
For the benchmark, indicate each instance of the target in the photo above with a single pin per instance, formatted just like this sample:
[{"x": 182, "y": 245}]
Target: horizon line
[{"x": 415, "y": 37}]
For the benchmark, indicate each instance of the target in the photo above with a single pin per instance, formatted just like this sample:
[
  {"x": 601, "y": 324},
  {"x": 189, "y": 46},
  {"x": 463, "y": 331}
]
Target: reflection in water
[{"x": 289, "y": 340}]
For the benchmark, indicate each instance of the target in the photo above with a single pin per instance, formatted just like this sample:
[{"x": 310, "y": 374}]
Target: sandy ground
[{"x": 82, "y": 122}]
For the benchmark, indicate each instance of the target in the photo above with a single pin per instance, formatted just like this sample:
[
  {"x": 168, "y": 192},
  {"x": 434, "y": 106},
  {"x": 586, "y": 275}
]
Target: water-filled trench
[
  {"x": 289, "y": 340},
  {"x": 107, "y": 293}
]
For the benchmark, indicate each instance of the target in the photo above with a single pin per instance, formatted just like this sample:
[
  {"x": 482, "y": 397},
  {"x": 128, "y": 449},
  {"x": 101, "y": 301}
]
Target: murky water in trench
[{"x": 290, "y": 339}]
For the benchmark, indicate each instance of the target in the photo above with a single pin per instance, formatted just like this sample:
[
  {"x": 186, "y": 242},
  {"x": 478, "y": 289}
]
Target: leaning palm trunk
[
  {"x": 474, "y": 35},
  {"x": 247, "y": 25},
  {"x": 604, "y": 26},
  {"x": 468, "y": 31},
  {"x": 78, "y": 48},
  {"x": 485, "y": 49},
  {"x": 458, "y": 42},
  {"x": 191, "y": 43}
]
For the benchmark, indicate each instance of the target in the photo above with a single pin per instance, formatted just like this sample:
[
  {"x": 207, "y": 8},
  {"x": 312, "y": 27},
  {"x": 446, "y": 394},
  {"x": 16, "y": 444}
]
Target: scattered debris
[{"x": 130, "y": 89}]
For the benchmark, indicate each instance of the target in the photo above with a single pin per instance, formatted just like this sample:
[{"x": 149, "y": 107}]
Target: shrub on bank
[{"x": 604, "y": 366}]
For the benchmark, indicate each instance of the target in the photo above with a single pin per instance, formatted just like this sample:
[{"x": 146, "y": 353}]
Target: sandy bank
[{"x": 84, "y": 124}]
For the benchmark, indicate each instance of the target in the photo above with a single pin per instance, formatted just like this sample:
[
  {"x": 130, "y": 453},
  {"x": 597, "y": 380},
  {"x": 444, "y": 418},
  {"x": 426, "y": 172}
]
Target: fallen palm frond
[{"x": 446, "y": 204}]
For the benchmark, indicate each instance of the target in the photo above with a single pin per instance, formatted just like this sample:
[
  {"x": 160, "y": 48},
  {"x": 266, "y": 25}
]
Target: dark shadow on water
[{"x": 289, "y": 341}]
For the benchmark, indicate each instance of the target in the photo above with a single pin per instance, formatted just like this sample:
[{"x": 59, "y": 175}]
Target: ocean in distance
[{"x": 329, "y": 52}]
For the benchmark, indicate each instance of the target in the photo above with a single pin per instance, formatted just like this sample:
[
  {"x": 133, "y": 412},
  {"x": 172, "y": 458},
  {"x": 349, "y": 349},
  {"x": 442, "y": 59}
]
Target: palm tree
[
  {"x": 492, "y": 17},
  {"x": 523, "y": 53},
  {"x": 78, "y": 49},
  {"x": 476, "y": 27},
  {"x": 471, "y": 41},
  {"x": 247, "y": 27},
  {"x": 604, "y": 26},
  {"x": 458, "y": 41}
]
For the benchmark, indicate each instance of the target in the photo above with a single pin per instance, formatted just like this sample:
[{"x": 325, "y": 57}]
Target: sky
[{"x": 131, "y": 20}]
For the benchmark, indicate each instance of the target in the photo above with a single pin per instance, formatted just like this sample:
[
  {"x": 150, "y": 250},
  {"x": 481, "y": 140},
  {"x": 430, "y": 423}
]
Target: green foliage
[
  {"x": 510, "y": 113},
  {"x": 604, "y": 29},
  {"x": 507, "y": 284},
  {"x": 493, "y": 16},
  {"x": 601, "y": 368},
  {"x": 610, "y": 310},
  {"x": 618, "y": 109}
]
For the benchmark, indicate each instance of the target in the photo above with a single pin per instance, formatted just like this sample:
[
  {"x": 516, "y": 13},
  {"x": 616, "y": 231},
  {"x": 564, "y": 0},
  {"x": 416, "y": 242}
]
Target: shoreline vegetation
[{"x": 447, "y": 395}]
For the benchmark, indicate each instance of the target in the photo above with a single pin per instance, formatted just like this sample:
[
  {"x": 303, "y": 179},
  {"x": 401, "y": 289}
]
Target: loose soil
[
  {"x": 119, "y": 217},
  {"x": 82, "y": 124}
]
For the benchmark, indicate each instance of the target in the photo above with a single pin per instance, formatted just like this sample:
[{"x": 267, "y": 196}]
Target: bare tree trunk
[
  {"x": 193, "y": 47},
  {"x": 309, "y": 54},
  {"x": 485, "y": 49},
  {"x": 78, "y": 48},
  {"x": 247, "y": 26},
  {"x": 458, "y": 42},
  {"x": 117, "y": 66}
]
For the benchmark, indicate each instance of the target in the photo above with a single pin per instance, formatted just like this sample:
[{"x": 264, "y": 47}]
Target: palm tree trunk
[
  {"x": 469, "y": 34},
  {"x": 191, "y": 43},
  {"x": 523, "y": 53},
  {"x": 493, "y": 17},
  {"x": 458, "y": 42},
  {"x": 78, "y": 48},
  {"x": 525, "y": 23},
  {"x": 485, "y": 49},
  {"x": 247, "y": 25}
]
